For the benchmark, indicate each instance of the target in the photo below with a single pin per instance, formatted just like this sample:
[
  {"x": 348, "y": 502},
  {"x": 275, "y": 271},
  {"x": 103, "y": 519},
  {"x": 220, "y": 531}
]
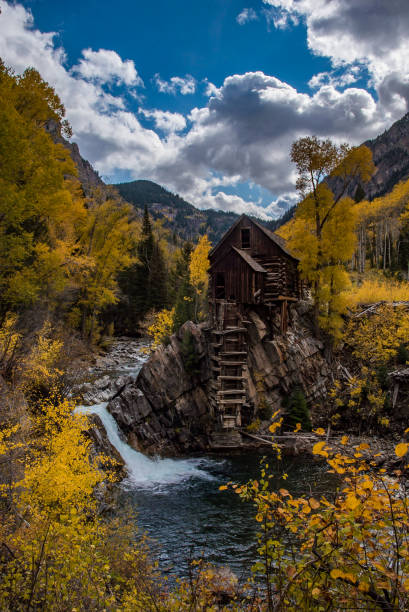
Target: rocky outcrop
[
  {"x": 279, "y": 362},
  {"x": 167, "y": 410},
  {"x": 390, "y": 153},
  {"x": 87, "y": 176},
  {"x": 102, "y": 446}
]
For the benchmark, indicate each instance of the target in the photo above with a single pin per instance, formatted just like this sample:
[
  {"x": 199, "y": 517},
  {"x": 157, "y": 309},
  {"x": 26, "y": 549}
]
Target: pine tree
[{"x": 144, "y": 284}]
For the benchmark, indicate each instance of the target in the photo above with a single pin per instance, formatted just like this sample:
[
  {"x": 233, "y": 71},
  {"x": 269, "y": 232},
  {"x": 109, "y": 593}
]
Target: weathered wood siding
[{"x": 241, "y": 281}]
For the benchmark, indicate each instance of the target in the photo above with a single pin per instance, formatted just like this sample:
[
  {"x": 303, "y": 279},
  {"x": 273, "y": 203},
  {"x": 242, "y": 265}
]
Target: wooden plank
[
  {"x": 230, "y": 378},
  {"x": 232, "y": 363},
  {"x": 233, "y": 330}
]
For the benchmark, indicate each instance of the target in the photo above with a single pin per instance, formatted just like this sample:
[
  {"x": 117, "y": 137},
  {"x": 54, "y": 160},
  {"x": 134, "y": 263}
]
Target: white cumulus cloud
[
  {"x": 107, "y": 66},
  {"x": 165, "y": 121},
  {"x": 184, "y": 85},
  {"x": 246, "y": 15}
]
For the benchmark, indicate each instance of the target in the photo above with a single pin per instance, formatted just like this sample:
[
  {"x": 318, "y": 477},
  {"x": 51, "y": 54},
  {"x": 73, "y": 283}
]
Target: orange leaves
[
  {"x": 320, "y": 431},
  {"x": 274, "y": 426},
  {"x": 320, "y": 448},
  {"x": 338, "y": 573},
  {"x": 401, "y": 449},
  {"x": 351, "y": 501},
  {"x": 223, "y": 488},
  {"x": 315, "y": 504}
]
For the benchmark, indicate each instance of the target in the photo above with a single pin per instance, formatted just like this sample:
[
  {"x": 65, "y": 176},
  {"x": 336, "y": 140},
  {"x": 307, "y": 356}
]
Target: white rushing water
[{"x": 144, "y": 471}]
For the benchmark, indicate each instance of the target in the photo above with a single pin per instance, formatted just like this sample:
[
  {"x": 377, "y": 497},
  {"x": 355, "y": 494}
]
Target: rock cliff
[
  {"x": 390, "y": 153},
  {"x": 167, "y": 410}
]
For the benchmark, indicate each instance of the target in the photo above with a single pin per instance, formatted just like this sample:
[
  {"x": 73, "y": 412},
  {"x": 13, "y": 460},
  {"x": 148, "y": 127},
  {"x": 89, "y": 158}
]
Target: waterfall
[{"x": 142, "y": 470}]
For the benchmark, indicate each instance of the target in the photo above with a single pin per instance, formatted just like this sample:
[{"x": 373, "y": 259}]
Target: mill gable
[{"x": 251, "y": 265}]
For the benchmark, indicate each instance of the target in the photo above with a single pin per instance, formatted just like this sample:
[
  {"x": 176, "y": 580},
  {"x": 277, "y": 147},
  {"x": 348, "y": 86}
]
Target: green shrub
[
  {"x": 402, "y": 354},
  {"x": 264, "y": 410},
  {"x": 382, "y": 377},
  {"x": 190, "y": 358},
  {"x": 297, "y": 410},
  {"x": 254, "y": 426}
]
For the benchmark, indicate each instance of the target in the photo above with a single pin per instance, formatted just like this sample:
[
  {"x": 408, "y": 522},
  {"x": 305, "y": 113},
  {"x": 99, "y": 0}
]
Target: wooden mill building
[{"x": 249, "y": 267}]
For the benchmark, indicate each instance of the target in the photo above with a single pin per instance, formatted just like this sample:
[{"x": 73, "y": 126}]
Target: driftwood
[{"x": 373, "y": 308}]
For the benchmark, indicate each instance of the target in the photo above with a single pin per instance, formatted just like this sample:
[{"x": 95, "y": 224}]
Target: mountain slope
[
  {"x": 180, "y": 216},
  {"x": 390, "y": 153}
]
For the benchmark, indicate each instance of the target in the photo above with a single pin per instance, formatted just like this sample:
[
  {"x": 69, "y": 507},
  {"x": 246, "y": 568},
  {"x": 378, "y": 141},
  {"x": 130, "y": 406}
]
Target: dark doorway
[{"x": 220, "y": 292}]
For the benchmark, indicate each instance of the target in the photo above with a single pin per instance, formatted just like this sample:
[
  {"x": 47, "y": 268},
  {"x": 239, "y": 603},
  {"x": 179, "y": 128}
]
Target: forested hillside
[{"x": 180, "y": 217}]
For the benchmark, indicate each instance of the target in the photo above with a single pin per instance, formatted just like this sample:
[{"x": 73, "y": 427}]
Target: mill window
[
  {"x": 245, "y": 238},
  {"x": 220, "y": 288}
]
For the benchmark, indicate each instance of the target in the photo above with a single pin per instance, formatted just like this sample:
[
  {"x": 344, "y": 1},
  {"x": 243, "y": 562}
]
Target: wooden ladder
[{"x": 228, "y": 365}]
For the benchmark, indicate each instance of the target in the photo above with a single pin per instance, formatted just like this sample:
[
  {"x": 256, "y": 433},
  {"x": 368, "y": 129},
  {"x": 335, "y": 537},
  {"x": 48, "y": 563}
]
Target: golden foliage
[
  {"x": 162, "y": 327},
  {"x": 198, "y": 269},
  {"x": 372, "y": 291},
  {"x": 199, "y": 265},
  {"x": 322, "y": 233},
  {"x": 376, "y": 338},
  {"x": 349, "y": 550}
]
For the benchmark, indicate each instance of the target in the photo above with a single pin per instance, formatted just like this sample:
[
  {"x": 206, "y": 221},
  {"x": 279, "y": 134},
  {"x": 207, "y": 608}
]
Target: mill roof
[
  {"x": 250, "y": 261},
  {"x": 280, "y": 242}
]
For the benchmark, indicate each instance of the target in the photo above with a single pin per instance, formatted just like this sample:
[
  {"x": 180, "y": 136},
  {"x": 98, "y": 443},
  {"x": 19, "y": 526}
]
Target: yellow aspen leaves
[
  {"x": 320, "y": 431},
  {"x": 274, "y": 426},
  {"x": 199, "y": 264},
  {"x": 162, "y": 327},
  {"x": 318, "y": 449},
  {"x": 352, "y": 501},
  {"x": 401, "y": 449},
  {"x": 337, "y": 573},
  {"x": 314, "y": 503},
  {"x": 297, "y": 428}
]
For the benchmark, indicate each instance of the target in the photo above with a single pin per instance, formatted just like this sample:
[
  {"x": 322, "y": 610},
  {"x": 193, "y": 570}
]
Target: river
[{"x": 178, "y": 502}]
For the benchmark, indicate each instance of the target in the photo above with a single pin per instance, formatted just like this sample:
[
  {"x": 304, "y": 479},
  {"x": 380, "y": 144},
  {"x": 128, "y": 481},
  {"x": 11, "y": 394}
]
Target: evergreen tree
[
  {"x": 183, "y": 289},
  {"x": 297, "y": 410},
  {"x": 144, "y": 284},
  {"x": 190, "y": 358}
]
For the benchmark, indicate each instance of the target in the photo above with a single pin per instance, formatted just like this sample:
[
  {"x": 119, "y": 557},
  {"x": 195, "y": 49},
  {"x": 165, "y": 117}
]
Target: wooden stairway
[{"x": 228, "y": 363}]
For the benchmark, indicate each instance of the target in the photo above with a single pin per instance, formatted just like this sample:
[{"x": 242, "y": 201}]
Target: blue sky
[{"x": 206, "y": 97}]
